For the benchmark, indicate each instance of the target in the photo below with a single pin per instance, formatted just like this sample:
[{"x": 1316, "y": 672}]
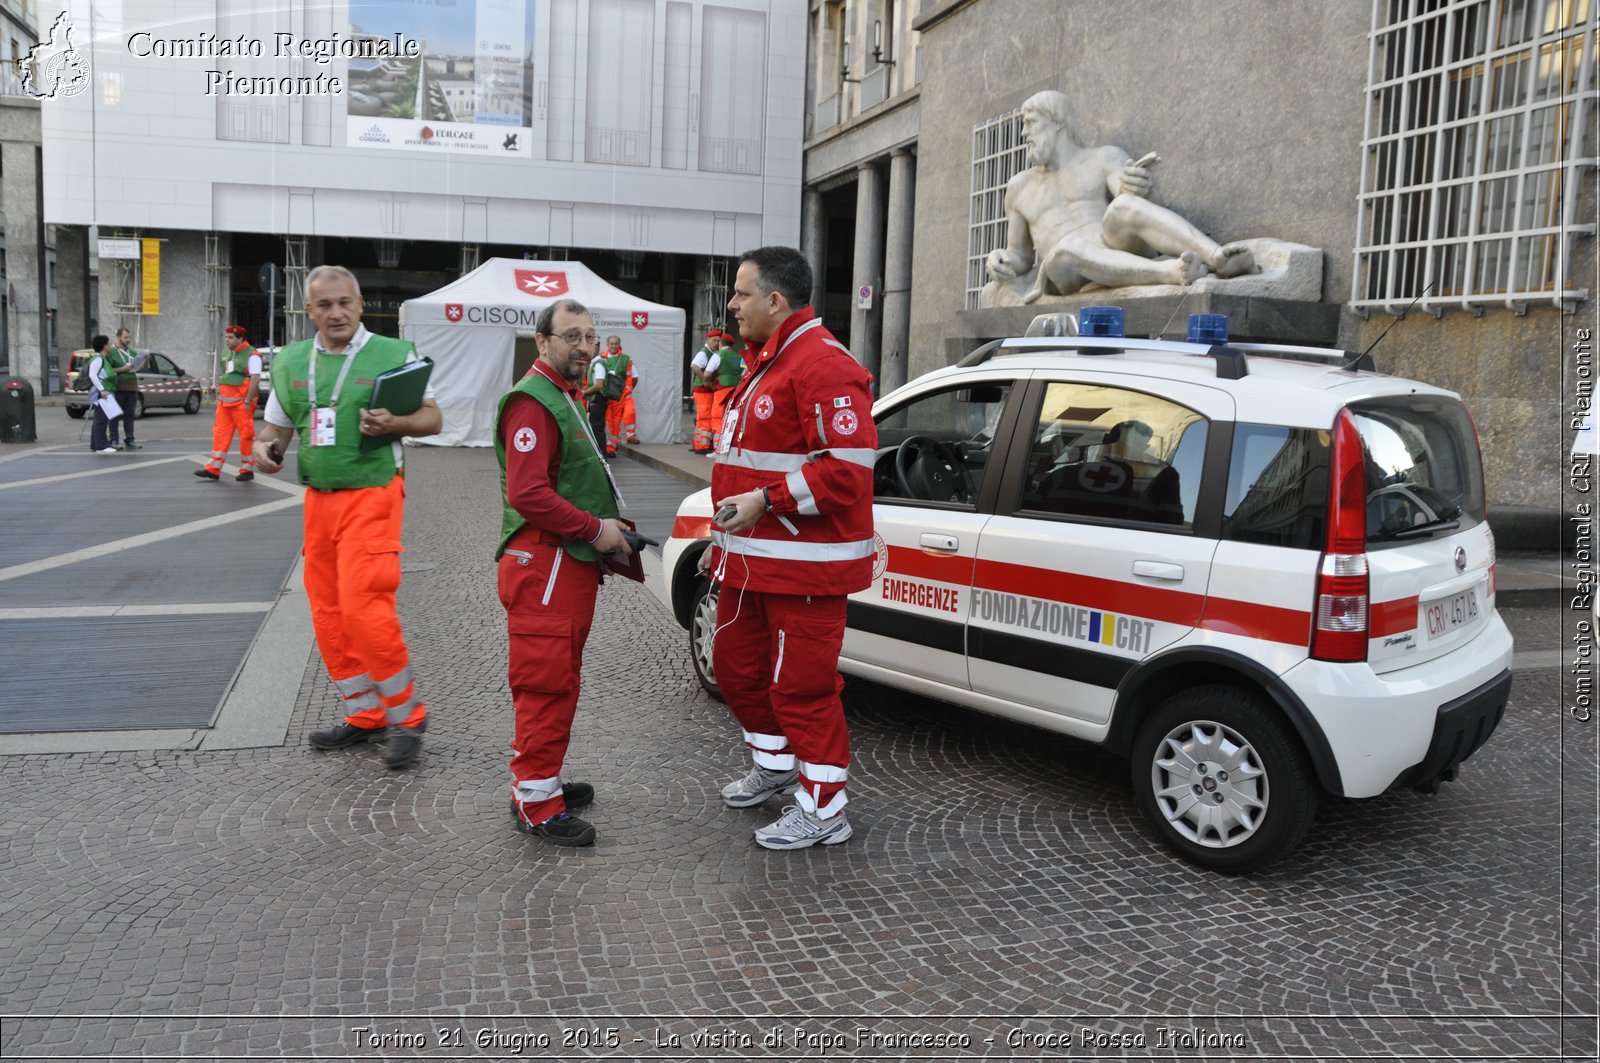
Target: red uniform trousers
[
  {"x": 705, "y": 429},
  {"x": 776, "y": 658},
  {"x": 549, "y": 600},
  {"x": 352, "y": 570},
  {"x": 719, "y": 407},
  {"x": 234, "y": 415}
]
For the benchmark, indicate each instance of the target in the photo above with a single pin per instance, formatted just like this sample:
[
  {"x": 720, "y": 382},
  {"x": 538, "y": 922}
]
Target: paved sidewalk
[{"x": 1001, "y": 897}]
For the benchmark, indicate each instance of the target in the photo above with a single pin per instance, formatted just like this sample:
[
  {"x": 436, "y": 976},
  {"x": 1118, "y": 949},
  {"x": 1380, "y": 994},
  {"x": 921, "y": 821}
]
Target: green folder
[{"x": 400, "y": 392}]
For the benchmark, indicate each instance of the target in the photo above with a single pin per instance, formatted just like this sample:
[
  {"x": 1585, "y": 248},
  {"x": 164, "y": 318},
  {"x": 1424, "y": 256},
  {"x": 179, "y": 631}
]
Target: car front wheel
[
  {"x": 192, "y": 403},
  {"x": 77, "y": 412},
  {"x": 702, "y": 629},
  {"x": 136, "y": 406},
  {"x": 1223, "y": 779}
]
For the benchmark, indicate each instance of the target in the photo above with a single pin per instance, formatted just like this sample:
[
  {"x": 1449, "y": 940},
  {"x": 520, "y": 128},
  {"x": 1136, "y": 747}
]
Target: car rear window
[
  {"x": 1277, "y": 486},
  {"x": 1424, "y": 475}
]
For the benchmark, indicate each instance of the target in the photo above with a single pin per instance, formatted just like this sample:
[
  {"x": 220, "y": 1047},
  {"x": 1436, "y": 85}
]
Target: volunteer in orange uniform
[
  {"x": 725, "y": 369},
  {"x": 795, "y": 460},
  {"x": 559, "y": 514},
  {"x": 236, "y": 407},
  {"x": 705, "y": 430},
  {"x": 620, "y": 414},
  {"x": 354, "y": 503}
]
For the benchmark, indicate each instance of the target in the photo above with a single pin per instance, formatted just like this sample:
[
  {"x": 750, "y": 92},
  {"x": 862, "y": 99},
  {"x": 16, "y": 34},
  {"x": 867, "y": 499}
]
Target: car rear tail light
[{"x": 1340, "y": 622}]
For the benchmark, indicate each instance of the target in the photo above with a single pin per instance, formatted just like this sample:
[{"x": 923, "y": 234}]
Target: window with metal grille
[
  {"x": 1478, "y": 135},
  {"x": 998, "y": 154}
]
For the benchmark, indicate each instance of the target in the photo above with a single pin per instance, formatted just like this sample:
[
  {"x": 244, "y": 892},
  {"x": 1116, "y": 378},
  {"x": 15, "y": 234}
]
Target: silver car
[{"x": 162, "y": 385}]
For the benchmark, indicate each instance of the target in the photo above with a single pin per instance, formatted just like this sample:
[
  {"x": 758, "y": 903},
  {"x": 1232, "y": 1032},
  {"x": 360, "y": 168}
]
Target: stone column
[
  {"x": 814, "y": 242},
  {"x": 897, "y": 270},
  {"x": 22, "y": 193},
  {"x": 74, "y": 313},
  {"x": 868, "y": 268}
]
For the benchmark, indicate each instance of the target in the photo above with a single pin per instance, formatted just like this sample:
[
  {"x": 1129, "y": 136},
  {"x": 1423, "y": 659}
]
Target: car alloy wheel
[
  {"x": 702, "y": 631},
  {"x": 192, "y": 403},
  {"x": 1223, "y": 778}
]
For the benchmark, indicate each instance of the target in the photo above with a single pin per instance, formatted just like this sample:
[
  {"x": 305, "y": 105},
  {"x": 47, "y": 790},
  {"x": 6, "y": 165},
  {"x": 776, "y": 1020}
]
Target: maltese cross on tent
[
  {"x": 452, "y": 311},
  {"x": 544, "y": 284},
  {"x": 641, "y": 318}
]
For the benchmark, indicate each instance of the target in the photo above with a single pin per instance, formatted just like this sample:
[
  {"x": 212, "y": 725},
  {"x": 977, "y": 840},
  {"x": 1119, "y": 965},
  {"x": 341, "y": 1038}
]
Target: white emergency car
[{"x": 1260, "y": 572}]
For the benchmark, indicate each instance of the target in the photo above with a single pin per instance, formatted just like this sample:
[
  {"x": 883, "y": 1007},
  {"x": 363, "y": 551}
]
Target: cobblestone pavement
[{"x": 280, "y": 903}]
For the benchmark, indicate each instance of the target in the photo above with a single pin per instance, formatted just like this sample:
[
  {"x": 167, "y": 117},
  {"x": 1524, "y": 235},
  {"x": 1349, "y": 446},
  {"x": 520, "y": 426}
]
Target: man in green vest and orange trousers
[
  {"x": 354, "y": 503},
  {"x": 558, "y": 517},
  {"x": 236, "y": 407}
]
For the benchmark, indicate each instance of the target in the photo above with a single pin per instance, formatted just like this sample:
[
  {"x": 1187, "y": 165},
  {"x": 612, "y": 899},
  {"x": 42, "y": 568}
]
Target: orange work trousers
[
  {"x": 719, "y": 407},
  {"x": 352, "y": 570},
  {"x": 234, "y": 416},
  {"x": 705, "y": 429},
  {"x": 621, "y": 422}
]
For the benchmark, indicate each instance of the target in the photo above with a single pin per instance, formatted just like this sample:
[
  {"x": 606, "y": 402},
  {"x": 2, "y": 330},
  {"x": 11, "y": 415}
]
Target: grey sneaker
[
  {"x": 799, "y": 829},
  {"x": 759, "y": 785}
]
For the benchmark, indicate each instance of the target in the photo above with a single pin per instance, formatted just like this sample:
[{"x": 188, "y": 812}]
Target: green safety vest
[
  {"x": 617, "y": 368},
  {"x": 731, "y": 368},
  {"x": 120, "y": 377},
  {"x": 581, "y": 477},
  {"x": 344, "y": 465},
  {"x": 236, "y": 366}
]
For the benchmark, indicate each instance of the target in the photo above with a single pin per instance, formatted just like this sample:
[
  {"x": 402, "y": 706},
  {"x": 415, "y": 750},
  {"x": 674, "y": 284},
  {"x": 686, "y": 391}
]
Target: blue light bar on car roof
[
  {"x": 1208, "y": 328},
  {"x": 1100, "y": 321}
]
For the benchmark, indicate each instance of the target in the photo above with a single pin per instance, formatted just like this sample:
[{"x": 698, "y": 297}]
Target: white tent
[{"x": 470, "y": 329}]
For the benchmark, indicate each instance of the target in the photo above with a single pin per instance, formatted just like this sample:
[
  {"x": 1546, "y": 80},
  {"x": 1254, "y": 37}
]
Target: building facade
[
  {"x": 650, "y": 138},
  {"x": 1441, "y": 153}
]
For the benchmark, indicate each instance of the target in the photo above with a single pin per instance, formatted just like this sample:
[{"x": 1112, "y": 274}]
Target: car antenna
[{"x": 1365, "y": 356}]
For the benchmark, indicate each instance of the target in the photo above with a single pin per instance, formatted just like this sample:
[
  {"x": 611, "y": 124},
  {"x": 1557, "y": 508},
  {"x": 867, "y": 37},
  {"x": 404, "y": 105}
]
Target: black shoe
[
  {"x": 577, "y": 794},
  {"x": 207, "y": 474},
  {"x": 563, "y": 828},
  {"x": 131, "y": 445},
  {"x": 246, "y": 475},
  {"x": 404, "y": 745},
  {"x": 344, "y": 734}
]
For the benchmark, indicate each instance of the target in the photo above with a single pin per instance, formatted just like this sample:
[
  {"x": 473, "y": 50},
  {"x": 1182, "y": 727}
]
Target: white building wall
[{"x": 149, "y": 148}]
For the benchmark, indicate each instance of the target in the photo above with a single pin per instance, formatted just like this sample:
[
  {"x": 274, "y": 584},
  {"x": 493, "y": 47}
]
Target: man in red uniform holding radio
[
  {"x": 558, "y": 519},
  {"x": 792, "y": 485}
]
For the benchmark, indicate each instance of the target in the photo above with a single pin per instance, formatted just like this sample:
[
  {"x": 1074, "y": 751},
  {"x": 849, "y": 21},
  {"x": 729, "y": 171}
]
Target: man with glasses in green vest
[{"x": 559, "y": 516}]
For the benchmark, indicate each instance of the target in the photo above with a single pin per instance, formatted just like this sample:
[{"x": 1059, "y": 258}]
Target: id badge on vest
[
  {"x": 730, "y": 421},
  {"x": 322, "y": 432}
]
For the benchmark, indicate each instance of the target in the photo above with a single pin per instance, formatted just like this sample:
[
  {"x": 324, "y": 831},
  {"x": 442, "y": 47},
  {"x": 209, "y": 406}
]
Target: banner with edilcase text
[{"x": 150, "y": 275}]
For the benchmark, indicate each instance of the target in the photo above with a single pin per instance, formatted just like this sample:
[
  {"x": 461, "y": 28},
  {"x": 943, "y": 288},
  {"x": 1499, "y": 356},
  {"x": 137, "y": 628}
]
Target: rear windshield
[{"x": 1424, "y": 476}]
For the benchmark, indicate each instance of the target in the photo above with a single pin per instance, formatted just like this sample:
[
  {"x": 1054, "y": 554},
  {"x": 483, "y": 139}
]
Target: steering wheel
[{"x": 930, "y": 469}]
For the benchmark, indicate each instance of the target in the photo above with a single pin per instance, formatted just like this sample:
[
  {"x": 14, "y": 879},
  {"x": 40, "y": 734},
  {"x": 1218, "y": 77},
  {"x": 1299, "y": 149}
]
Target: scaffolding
[
  {"x": 297, "y": 258},
  {"x": 127, "y": 300},
  {"x": 218, "y": 272},
  {"x": 711, "y": 296},
  {"x": 469, "y": 258}
]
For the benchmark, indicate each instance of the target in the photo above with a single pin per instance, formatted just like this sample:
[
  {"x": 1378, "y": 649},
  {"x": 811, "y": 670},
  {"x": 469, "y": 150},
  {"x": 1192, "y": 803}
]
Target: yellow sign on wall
[{"x": 150, "y": 261}]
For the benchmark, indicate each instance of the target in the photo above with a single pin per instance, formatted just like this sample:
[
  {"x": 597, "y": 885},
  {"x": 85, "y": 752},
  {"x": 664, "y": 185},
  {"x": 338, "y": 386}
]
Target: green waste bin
[{"x": 16, "y": 411}]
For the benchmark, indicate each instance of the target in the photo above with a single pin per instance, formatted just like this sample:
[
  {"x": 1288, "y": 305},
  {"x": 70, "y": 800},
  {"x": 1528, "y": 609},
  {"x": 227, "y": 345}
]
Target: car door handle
[
  {"x": 944, "y": 544},
  {"x": 1158, "y": 570}
]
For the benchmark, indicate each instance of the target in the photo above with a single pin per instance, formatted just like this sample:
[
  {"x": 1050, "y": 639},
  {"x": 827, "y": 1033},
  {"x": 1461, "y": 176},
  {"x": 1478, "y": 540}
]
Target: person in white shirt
[{"x": 101, "y": 387}]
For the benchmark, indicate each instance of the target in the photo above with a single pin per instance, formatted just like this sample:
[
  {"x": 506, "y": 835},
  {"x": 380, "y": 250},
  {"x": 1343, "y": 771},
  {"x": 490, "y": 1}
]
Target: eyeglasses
[{"x": 573, "y": 337}]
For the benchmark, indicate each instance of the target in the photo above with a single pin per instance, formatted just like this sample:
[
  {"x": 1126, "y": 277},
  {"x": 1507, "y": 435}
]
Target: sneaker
[
  {"x": 131, "y": 445},
  {"x": 344, "y": 734},
  {"x": 245, "y": 475},
  {"x": 207, "y": 474},
  {"x": 563, "y": 828},
  {"x": 404, "y": 745},
  {"x": 106, "y": 450},
  {"x": 799, "y": 829},
  {"x": 759, "y": 785}
]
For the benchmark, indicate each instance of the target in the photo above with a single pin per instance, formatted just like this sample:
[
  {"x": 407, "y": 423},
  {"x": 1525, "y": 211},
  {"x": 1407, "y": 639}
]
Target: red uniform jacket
[{"x": 801, "y": 426}]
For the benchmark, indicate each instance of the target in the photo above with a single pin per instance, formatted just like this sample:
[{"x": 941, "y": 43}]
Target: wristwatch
[{"x": 766, "y": 499}]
